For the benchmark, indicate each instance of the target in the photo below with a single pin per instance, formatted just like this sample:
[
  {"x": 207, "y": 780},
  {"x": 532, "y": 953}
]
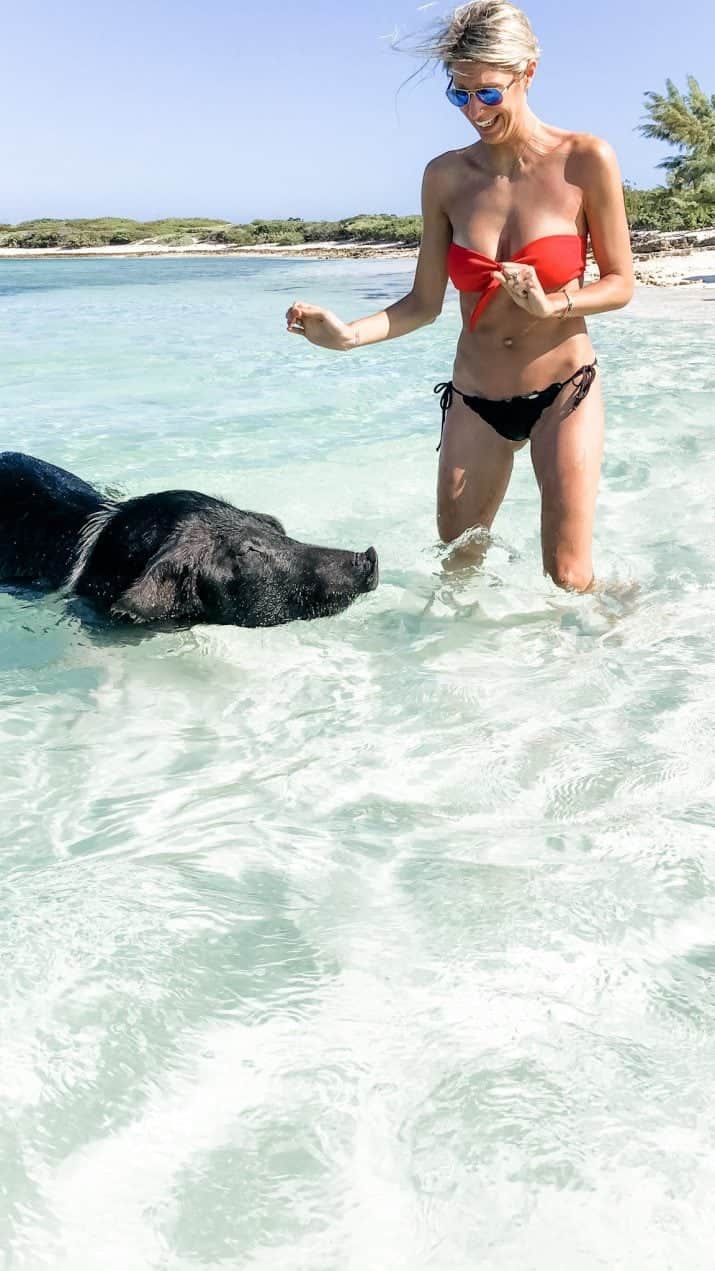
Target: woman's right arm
[{"x": 417, "y": 309}]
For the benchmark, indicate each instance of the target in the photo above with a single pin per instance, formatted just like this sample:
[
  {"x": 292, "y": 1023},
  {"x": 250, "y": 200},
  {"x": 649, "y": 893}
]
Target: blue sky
[{"x": 292, "y": 109}]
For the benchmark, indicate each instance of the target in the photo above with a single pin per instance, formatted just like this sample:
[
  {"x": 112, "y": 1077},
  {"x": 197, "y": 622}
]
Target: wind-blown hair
[{"x": 490, "y": 31}]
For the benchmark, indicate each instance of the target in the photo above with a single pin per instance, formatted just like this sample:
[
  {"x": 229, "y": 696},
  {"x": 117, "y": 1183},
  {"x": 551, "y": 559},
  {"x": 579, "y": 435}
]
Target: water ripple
[{"x": 382, "y": 940}]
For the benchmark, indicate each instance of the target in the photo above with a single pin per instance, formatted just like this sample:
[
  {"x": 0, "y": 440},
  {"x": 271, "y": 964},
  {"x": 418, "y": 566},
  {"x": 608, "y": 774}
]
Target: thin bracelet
[{"x": 569, "y": 305}]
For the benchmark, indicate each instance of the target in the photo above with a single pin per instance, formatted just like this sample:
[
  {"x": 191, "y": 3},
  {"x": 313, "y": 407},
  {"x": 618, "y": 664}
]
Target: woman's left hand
[{"x": 522, "y": 284}]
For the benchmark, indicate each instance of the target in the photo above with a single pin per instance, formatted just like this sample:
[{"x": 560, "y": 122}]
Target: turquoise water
[{"x": 383, "y": 941}]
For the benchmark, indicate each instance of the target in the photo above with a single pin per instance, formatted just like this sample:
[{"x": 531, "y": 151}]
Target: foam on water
[{"x": 384, "y": 940}]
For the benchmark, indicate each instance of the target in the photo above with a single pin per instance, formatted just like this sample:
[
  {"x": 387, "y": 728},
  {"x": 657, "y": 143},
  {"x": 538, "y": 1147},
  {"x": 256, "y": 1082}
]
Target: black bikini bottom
[{"x": 514, "y": 417}]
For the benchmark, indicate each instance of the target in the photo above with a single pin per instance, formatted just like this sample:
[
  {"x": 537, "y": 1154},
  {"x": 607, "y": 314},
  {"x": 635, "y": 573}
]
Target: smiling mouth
[{"x": 487, "y": 123}]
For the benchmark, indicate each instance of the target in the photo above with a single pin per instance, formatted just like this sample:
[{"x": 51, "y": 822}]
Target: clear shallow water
[{"x": 380, "y": 941}]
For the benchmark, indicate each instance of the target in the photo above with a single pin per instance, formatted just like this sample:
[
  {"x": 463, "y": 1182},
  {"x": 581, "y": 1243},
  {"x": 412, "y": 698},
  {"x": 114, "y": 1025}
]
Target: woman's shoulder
[
  {"x": 445, "y": 165},
  {"x": 589, "y": 155},
  {"x": 592, "y": 164},
  {"x": 586, "y": 159},
  {"x": 591, "y": 148},
  {"x": 582, "y": 146}
]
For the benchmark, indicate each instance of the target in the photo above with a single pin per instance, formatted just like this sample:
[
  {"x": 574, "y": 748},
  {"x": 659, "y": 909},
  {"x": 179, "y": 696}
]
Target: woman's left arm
[{"x": 600, "y": 180}]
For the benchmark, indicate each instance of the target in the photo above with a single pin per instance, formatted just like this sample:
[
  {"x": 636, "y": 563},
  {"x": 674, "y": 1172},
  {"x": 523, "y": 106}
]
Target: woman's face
[{"x": 494, "y": 123}]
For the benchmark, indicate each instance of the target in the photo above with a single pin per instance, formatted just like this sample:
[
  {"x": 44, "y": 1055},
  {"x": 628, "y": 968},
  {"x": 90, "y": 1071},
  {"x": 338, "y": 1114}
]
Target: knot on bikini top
[{"x": 557, "y": 259}]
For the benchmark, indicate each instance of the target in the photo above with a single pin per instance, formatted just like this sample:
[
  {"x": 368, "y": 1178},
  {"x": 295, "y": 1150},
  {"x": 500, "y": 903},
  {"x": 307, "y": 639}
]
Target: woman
[{"x": 507, "y": 219}]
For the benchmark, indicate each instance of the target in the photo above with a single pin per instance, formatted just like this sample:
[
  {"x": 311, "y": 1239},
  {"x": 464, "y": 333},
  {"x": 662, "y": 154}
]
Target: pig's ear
[{"x": 166, "y": 590}]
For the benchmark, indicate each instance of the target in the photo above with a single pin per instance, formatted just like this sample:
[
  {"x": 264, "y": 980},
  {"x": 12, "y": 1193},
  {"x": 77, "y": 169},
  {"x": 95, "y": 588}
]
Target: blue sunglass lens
[
  {"x": 487, "y": 96},
  {"x": 490, "y": 96},
  {"x": 457, "y": 97}
]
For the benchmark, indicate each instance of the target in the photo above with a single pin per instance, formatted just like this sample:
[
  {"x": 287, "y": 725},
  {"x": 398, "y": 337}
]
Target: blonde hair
[{"x": 490, "y": 31}]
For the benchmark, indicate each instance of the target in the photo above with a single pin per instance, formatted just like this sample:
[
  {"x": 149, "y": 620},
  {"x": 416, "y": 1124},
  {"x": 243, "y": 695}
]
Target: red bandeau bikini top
[{"x": 557, "y": 259}]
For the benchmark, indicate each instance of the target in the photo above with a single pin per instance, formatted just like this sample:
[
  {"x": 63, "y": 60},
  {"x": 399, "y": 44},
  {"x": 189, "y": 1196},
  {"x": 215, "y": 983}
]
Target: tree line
[
  {"x": 115, "y": 232},
  {"x": 686, "y": 201}
]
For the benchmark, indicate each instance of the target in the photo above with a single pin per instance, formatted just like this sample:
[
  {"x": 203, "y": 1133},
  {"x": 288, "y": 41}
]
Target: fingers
[
  {"x": 294, "y": 318},
  {"x": 521, "y": 277},
  {"x": 520, "y": 282},
  {"x": 512, "y": 284},
  {"x": 299, "y": 310},
  {"x": 294, "y": 321},
  {"x": 297, "y": 314}
]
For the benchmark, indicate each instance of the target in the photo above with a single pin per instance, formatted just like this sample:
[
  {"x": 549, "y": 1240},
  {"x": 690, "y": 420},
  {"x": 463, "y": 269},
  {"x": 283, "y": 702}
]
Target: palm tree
[{"x": 688, "y": 122}]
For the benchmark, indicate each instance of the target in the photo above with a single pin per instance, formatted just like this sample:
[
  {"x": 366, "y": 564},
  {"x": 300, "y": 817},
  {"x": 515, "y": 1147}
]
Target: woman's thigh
[
  {"x": 475, "y": 465},
  {"x": 566, "y": 451}
]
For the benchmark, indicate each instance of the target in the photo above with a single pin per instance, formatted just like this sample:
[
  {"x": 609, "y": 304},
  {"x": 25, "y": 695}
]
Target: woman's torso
[{"x": 509, "y": 351}]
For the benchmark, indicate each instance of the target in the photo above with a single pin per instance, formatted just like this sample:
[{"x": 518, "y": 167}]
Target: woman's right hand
[{"x": 320, "y": 326}]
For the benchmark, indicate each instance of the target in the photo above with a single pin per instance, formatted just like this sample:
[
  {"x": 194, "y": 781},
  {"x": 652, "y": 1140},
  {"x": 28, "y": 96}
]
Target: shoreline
[{"x": 689, "y": 263}]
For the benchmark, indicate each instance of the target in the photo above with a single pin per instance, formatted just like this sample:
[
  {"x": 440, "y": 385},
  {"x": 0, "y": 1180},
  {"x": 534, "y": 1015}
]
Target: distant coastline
[{"x": 662, "y": 258}]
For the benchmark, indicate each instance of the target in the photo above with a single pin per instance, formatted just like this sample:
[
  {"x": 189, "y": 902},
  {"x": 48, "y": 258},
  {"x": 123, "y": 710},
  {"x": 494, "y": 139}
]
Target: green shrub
[
  {"x": 383, "y": 229},
  {"x": 321, "y": 231},
  {"x": 665, "y": 208},
  {"x": 233, "y": 236}
]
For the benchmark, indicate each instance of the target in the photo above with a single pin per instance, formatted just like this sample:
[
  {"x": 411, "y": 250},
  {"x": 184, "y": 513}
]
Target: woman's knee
[
  {"x": 453, "y": 520},
  {"x": 450, "y": 508},
  {"x": 448, "y": 526},
  {"x": 569, "y": 571},
  {"x": 457, "y": 513}
]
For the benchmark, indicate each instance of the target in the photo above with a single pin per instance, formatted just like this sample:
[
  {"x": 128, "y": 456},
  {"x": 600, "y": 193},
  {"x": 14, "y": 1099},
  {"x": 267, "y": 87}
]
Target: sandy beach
[{"x": 661, "y": 260}]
